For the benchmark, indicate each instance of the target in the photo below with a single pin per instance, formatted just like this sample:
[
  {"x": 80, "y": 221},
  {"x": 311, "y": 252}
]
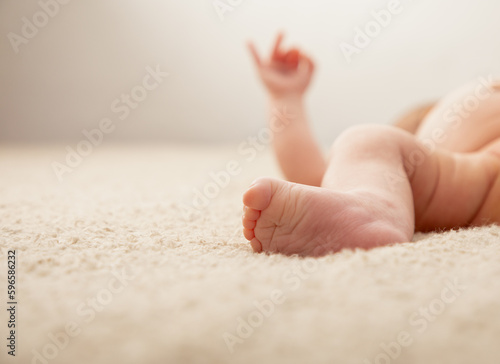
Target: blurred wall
[{"x": 83, "y": 56}]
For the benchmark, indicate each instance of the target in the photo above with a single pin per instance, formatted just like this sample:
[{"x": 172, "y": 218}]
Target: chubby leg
[
  {"x": 466, "y": 120},
  {"x": 380, "y": 184}
]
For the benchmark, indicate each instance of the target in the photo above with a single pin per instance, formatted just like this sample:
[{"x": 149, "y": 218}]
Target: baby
[{"x": 437, "y": 169}]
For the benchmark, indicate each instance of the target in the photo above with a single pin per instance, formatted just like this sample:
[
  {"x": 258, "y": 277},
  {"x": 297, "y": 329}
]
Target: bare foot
[{"x": 289, "y": 218}]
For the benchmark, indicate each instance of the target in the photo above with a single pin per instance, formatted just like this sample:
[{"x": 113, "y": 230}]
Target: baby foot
[{"x": 289, "y": 218}]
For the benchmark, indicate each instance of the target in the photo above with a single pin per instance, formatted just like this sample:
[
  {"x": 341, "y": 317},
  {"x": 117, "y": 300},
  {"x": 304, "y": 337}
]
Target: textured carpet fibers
[{"x": 137, "y": 256}]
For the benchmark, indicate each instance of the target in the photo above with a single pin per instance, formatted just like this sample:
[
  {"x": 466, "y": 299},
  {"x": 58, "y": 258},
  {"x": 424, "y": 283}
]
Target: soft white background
[{"x": 92, "y": 51}]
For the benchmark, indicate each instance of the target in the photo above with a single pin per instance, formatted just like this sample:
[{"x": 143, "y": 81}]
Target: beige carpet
[{"x": 112, "y": 267}]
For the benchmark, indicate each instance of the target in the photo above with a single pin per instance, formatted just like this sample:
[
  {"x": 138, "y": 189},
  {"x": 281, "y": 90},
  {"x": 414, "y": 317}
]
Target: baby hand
[{"x": 285, "y": 73}]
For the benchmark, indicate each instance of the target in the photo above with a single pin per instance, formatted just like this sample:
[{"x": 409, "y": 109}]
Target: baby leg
[
  {"x": 466, "y": 120},
  {"x": 380, "y": 184}
]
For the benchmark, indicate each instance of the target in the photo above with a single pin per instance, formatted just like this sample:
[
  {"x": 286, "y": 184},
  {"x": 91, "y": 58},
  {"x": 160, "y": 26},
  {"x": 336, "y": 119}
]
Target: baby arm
[{"x": 286, "y": 76}]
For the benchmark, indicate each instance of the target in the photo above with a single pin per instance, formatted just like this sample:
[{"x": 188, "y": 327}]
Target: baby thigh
[{"x": 466, "y": 120}]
